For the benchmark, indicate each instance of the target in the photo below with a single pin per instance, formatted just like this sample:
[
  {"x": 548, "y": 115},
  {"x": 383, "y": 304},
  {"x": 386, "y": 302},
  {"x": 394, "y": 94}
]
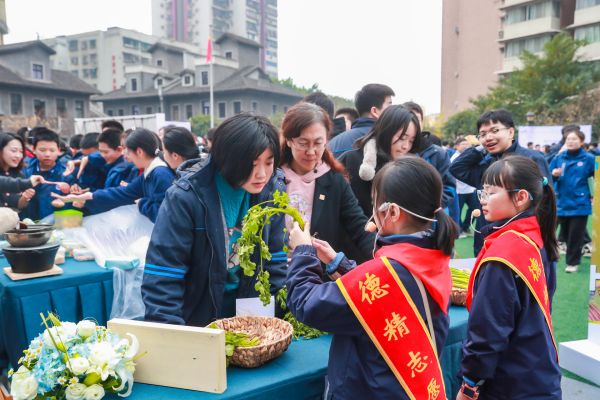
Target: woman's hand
[
  {"x": 325, "y": 252},
  {"x": 299, "y": 237},
  {"x": 36, "y": 180}
]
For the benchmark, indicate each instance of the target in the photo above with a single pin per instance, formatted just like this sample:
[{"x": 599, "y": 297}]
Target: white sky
[{"x": 339, "y": 44}]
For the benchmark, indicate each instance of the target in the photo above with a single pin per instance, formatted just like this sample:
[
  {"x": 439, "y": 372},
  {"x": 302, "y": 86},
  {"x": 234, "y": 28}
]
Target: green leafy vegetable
[
  {"x": 234, "y": 340},
  {"x": 300, "y": 330}
]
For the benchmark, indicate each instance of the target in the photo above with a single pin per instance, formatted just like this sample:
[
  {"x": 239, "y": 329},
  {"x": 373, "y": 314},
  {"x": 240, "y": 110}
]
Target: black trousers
[{"x": 574, "y": 229}]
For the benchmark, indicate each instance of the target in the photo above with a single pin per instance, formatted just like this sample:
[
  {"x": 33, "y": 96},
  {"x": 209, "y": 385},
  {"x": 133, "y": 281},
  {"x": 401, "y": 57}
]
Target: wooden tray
[{"x": 18, "y": 277}]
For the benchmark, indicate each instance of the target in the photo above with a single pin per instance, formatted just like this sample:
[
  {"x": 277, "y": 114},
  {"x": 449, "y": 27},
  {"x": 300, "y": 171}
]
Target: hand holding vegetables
[{"x": 299, "y": 237}]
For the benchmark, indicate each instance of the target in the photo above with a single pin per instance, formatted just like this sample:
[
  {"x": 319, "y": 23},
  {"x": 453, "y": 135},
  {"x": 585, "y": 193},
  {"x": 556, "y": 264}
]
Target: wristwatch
[{"x": 472, "y": 392}]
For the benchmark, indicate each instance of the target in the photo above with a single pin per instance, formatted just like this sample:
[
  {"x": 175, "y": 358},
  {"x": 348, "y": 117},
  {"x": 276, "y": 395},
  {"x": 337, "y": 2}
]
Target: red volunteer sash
[
  {"x": 386, "y": 311},
  {"x": 521, "y": 254}
]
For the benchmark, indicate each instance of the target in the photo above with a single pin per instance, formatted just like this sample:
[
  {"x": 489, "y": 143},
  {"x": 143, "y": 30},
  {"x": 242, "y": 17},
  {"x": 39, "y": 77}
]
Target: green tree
[
  {"x": 201, "y": 124},
  {"x": 462, "y": 123}
]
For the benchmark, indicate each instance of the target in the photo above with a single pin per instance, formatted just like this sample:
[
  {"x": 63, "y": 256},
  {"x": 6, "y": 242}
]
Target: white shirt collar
[{"x": 157, "y": 162}]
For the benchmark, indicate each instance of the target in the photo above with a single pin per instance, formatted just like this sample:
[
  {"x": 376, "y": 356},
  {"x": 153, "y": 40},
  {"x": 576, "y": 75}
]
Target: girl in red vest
[
  {"x": 389, "y": 316},
  {"x": 510, "y": 351}
]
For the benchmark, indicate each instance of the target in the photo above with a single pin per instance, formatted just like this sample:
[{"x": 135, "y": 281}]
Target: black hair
[
  {"x": 111, "y": 137},
  {"x": 371, "y": 95},
  {"x": 459, "y": 140},
  {"x": 63, "y": 146},
  {"x": 434, "y": 139},
  {"x": 180, "y": 141},
  {"x": 391, "y": 120},
  {"x": 210, "y": 135},
  {"x": 141, "y": 138},
  {"x": 75, "y": 142},
  {"x": 573, "y": 129},
  {"x": 414, "y": 184},
  {"x": 43, "y": 134},
  {"x": 322, "y": 100},
  {"x": 90, "y": 140},
  {"x": 5, "y": 139},
  {"x": 415, "y": 108},
  {"x": 239, "y": 141},
  {"x": 24, "y": 134},
  {"x": 349, "y": 111},
  {"x": 518, "y": 172},
  {"x": 496, "y": 116},
  {"x": 111, "y": 123}
]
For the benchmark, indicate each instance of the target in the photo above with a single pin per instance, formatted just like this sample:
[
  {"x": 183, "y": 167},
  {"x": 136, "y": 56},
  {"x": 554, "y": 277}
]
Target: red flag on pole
[{"x": 209, "y": 51}]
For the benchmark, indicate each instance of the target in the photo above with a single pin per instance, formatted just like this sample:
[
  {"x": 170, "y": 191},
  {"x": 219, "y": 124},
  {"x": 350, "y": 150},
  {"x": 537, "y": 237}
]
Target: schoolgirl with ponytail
[
  {"x": 510, "y": 351},
  {"x": 147, "y": 190},
  {"x": 386, "y": 310}
]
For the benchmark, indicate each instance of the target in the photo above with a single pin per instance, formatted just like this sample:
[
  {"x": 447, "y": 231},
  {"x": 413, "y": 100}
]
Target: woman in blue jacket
[
  {"x": 147, "y": 190},
  {"x": 571, "y": 170},
  {"x": 192, "y": 274}
]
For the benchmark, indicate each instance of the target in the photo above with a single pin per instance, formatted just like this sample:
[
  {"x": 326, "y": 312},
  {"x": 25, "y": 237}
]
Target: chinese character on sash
[
  {"x": 372, "y": 288},
  {"x": 397, "y": 326},
  {"x": 433, "y": 389},
  {"x": 535, "y": 269},
  {"x": 417, "y": 363}
]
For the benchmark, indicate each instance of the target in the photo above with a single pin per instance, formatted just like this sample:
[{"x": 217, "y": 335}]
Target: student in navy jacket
[
  {"x": 509, "y": 352},
  {"x": 147, "y": 190},
  {"x": 192, "y": 274},
  {"x": 46, "y": 149},
  {"x": 116, "y": 168},
  {"x": 571, "y": 170},
  {"x": 496, "y": 135},
  {"x": 406, "y": 196}
]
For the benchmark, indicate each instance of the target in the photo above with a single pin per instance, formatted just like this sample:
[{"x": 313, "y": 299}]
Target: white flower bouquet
[{"x": 75, "y": 362}]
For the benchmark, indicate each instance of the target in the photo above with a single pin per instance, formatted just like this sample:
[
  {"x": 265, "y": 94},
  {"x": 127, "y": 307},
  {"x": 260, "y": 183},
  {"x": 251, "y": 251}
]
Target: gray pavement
[{"x": 575, "y": 390}]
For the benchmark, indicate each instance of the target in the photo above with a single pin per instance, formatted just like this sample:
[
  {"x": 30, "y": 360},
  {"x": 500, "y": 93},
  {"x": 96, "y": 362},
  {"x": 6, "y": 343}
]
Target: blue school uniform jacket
[
  {"x": 508, "y": 343},
  {"x": 118, "y": 172},
  {"x": 39, "y": 207},
  {"x": 94, "y": 175},
  {"x": 345, "y": 141},
  {"x": 186, "y": 264},
  {"x": 149, "y": 188},
  {"x": 438, "y": 157},
  {"x": 572, "y": 189},
  {"x": 356, "y": 368}
]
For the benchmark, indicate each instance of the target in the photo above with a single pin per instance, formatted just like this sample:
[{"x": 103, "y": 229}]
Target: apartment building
[{"x": 193, "y": 21}]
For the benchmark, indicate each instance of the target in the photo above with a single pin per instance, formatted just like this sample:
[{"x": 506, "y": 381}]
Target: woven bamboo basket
[
  {"x": 459, "y": 297},
  {"x": 275, "y": 336}
]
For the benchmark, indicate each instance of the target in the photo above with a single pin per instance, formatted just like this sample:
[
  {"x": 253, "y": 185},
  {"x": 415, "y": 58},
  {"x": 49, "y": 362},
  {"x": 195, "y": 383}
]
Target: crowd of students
[{"x": 382, "y": 287}]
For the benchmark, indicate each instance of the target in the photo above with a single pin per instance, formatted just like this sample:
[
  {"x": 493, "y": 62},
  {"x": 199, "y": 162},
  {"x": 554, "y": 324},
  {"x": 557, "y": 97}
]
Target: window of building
[
  {"x": 39, "y": 108},
  {"x": 84, "y": 45},
  {"x": 149, "y": 110},
  {"x": 533, "y": 45},
  {"x": 159, "y": 82},
  {"x": 237, "y": 107},
  {"x": 92, "y": 44},
  {"x": 135, "y": 109},
  {"x": 205, "y": 107},
  {"x": 61, "y": 107},
  {"x": 84, "y": 60},
  {"x": 121, "y": 112},
  {"x": 79, "y": 112},
  {"x": 129, "y": 58},
  {"x": 228, "y": 55},
  {"x": 110, "y": 113},
  {"x": 590, "y": 33},
  {"x": 131, "y": 43},
  {"x": 175, "y": 112},
  {"x": 16, "y": 104},
  {"x": 86, "y": 73},
  {"x": 254, "y": 106},
  {"x": 93, "y": 73},
  {"x": 74, "y": 60},
  {"x": 133, "y": 84},
  {"x": 274, "y": 108},
  {"x": 159, "y": 63},
  {"x": 222, "y": 106},
  {"x": 587, "y": 3},
  {"x": 73, "y": 45},
  {"x": 205, "y": 77},
  {"x": 251, "y": 26},
  {"x": 37, "y": 71},
  {"x": 145, "y": 61},
  {"x": 93, "y": 58},
  {"x": 189, "y": 111},
  {"x": 533, "y": 11},
  {"x": 187, "y": 80}
]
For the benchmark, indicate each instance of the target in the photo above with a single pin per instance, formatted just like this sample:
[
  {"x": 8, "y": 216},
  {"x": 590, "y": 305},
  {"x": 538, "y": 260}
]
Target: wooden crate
[{"x": 178, "y": 356}]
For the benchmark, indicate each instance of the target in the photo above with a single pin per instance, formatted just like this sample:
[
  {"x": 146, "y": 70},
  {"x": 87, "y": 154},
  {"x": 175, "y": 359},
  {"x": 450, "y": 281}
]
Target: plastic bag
[{"x": 116, "y": 235}]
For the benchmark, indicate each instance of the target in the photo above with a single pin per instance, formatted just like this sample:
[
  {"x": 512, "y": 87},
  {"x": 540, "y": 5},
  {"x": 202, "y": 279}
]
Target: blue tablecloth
[
  {"x": 300, "y": 372},
  {"x": 84, "y": 290}
]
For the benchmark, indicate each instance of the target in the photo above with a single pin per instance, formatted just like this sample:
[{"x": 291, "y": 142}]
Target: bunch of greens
[
  {"x": 236, "y": 339},
  {"x": 460, "y": 278},
  {"x": 254, "y": 223}
]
